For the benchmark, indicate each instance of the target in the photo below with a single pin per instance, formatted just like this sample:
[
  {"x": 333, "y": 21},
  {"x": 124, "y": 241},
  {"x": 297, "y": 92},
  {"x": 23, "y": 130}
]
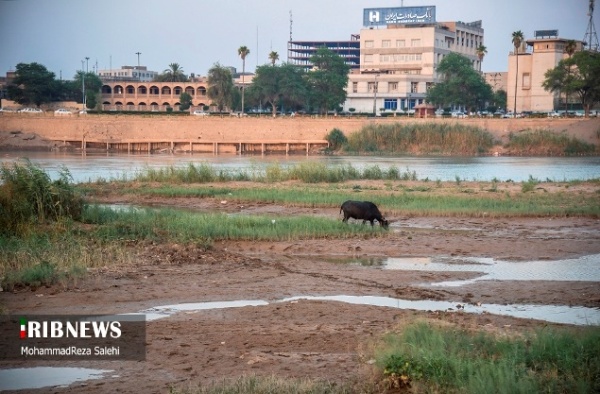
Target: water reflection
[
  {"x": 38, "y": 377},
  {"x": 91, "y": 167}
]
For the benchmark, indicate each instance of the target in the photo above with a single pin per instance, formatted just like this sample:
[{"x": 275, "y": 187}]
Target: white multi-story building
[
  {"x": 128, "y": 73},
  {"x": 400, "y": 49}
]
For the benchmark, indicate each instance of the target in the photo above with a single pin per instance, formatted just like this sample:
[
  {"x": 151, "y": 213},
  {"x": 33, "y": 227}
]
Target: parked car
[
  {"x": 62, "y": 111},
  {"x": 31, "y": 111},
  {"x": 6, "y": 110},
  {"x": 553, "y": 114},
  {"x": 200, "y": 113},
  {"x": 458, "y": 114}
]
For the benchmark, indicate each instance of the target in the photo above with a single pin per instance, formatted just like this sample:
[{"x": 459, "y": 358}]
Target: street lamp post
[
  {"x": 82, "y": 86},
  {"x": 87, "y": 63}
]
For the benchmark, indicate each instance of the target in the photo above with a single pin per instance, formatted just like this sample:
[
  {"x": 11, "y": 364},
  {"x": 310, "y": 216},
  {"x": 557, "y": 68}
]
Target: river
[{"x": 91, "y": 167}]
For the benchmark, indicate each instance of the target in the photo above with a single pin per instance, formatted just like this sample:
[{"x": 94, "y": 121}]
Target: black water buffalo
[{"x": 364, "y": 210}]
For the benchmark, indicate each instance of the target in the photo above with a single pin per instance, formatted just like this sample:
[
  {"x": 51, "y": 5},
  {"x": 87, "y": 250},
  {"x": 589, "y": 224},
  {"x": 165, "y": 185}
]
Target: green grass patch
[
  {"x": 433, "y": 359},
  {"x": 181, "y": 226},
  {"x": 308, "y": 172}
]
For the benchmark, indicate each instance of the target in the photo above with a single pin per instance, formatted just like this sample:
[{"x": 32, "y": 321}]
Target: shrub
[{"x": 336, "y": 139}]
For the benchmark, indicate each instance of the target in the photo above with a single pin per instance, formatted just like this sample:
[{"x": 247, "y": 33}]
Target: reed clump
[
  {"x": 28, "y": 197},
  {"x": 420, "y": 138},
  {"x": 547, "y": 143}
]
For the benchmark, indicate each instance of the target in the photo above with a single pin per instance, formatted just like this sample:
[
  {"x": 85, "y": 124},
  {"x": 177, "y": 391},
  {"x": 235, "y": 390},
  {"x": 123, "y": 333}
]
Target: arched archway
[
  {"x": 106, "y": 89},
  {"x": 177, "y": 90},
  {"x": 190, "y": 90},
  {"x": 166, "y": 91},
  {"x": 154, "y": 90},
  {"x": 142, "y": 89},
  {"x": 201, "y": 91},
  {"x": 130, "y": 89}
]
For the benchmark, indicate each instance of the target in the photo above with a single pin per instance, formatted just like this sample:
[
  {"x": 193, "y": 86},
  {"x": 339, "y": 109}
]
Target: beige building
[
  {"x": 535, "y": 58},
  {"x": 497, "y": 80},
  {"x": 152, "y": 96},
  {"x": 398, "y": 60}
]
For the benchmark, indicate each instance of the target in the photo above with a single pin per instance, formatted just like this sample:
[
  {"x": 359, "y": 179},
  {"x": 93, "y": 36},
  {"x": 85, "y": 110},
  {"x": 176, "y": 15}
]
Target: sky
[{"x": 196, "y": 34}]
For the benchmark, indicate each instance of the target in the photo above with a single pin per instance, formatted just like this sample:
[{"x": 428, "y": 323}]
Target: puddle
[
  {"x": 160, "y": 312},
  {"x": 38, "y": 377},
  {"x": 550, "y": 313},
  {"x": 582, "y": 269}
]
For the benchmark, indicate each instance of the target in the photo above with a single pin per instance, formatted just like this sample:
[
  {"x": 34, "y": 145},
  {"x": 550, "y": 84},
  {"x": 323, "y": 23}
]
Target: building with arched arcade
[{"x": 152, "y": 96}]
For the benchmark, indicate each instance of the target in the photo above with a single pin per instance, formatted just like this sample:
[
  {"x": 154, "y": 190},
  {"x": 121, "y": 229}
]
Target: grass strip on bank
[
  {"x": 428, "y": 358},
  {"x": 393, "y": 199}
]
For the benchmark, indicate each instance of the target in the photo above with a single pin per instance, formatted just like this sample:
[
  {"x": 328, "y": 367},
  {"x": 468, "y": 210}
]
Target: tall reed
[
  {"x": 28, "y": 196},
  {"x": 422, "y": 138},
  {"x": 545, "y": 142}
]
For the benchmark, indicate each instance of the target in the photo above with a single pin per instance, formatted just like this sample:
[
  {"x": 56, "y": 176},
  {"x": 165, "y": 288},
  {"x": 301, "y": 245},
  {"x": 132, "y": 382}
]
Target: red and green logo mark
[{"x": 23, "y": 328}]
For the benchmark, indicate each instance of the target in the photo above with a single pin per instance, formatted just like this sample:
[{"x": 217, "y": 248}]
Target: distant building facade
[
  {"x": 152, "y": 96},
  {"x": 400, "y": 49},
  {"x": 539, "y": 55},
  {"x": 128, "y": 73},
  {"x": 300, "y": 52}
]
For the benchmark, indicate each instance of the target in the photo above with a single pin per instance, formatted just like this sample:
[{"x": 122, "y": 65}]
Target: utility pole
[
  {"x": 82, "y": 86},
  {"x": 87, "y": 63}
]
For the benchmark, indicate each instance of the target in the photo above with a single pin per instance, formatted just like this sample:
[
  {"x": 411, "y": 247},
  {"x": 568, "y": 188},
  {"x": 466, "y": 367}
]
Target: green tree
[
  {"x": 221, "y": 87},
  {"x": 570, "y": 48},
  {"x": 579, "y": 74},
  {"x": 243, "y": 51},
  {"x": 461, "y": 84},
  {"x": 499, "y": 99},
  {"x": 273, "y": 57},
  {"x": 327, "y": 81},
  {"x": 33, "y": 84},
  {"x": 277, "y": 84},
  {"x": 517, "y": 39},
  {"x": 185, "y": 101},
  {"x": 172, "y": 74},
  {"x": 481, "y": 52},
  {"x": 93, "y": 84}
]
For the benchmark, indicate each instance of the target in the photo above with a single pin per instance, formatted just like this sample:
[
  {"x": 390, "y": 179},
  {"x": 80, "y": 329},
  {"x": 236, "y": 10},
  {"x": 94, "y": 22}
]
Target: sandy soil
[{"x": 317, "y": 339}]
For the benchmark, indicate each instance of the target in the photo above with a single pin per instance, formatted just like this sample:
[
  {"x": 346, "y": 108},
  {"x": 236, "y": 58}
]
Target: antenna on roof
[
  {"x": 291, "y": 22},
  {"x": 591, "y": 38}
]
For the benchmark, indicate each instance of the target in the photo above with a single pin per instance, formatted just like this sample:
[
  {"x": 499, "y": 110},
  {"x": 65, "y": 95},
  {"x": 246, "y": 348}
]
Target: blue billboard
[{"x": 398, "y": 15}]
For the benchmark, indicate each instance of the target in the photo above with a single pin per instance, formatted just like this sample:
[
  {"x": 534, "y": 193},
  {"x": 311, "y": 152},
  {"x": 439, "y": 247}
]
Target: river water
[{"x": 91, "y": 167}]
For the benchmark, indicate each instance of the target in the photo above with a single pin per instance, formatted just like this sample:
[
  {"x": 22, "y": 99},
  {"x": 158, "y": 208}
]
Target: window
[
  {"x": 368, "y": 58},
  {"x": 526, "y": 81},
  {"x": 415, "y": 42},
  {"x": 369, "y": 44},
  {"x": 372, "y": 87},
  {"x": 386, "y": 43},
  {"x": 414, "y": 87},
  {"x": 392, "y": 86},
  {"x": 354, "y": 87},
  {"x": 400, "y": 43},
  {"x": 390, "y": 104}
]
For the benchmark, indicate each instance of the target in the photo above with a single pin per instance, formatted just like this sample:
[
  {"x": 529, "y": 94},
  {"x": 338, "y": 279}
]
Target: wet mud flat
[{"x": 299, "y": 328}]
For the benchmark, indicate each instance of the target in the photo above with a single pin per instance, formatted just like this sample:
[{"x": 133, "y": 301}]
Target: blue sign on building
[{"x": 398, "y": 15}]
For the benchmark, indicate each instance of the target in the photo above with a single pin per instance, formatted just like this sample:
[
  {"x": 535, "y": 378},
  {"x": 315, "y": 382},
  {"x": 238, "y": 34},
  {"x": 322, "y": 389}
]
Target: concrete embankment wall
[{"x": 248, "y": 129}]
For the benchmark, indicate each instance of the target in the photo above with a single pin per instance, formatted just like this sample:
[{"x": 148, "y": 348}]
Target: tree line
[{"x": 287, "y": 87}]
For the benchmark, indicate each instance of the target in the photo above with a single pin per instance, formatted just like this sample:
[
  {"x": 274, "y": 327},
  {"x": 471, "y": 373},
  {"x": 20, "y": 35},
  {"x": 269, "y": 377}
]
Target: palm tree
[
  {"x": 569, "y": 50},
  {"x": 243, "y": 51},
  {"x": 174, "y": 73},
  {"x": 481, "y": 52},
  {"x": 517, "y": 39},
  {"x": 273, "y": 56}
]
